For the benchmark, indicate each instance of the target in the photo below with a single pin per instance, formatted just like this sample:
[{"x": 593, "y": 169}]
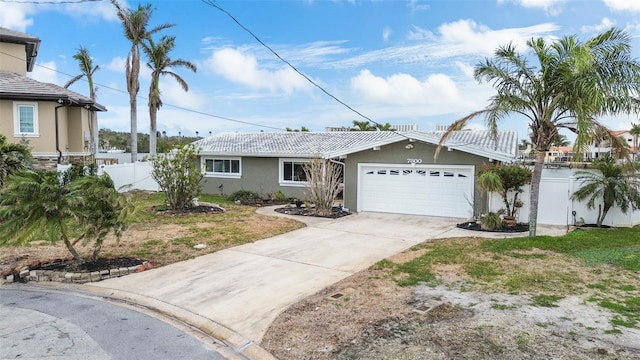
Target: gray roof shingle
[
  {"x": 18, "y": 87},
  {"x": 335, "y": 144}
]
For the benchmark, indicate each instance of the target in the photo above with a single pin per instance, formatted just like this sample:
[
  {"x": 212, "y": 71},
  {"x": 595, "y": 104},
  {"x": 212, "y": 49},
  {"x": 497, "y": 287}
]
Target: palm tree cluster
[
  {"x": 367, "y": 126},
  {"x": 83, "y": 207},
  {"x": 571, "y": 84},
  {"x": 135, "y": 23}
]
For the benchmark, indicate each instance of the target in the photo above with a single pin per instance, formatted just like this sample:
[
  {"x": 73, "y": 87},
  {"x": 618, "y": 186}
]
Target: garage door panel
[{"x": 421, "y": 190}]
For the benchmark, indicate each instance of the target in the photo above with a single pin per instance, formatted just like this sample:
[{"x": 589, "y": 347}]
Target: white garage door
[{"x": 437, "y": 190}]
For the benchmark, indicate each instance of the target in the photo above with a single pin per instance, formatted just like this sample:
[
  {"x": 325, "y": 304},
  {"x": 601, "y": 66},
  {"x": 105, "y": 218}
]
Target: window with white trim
[
  {"x": 222, "y": 167},
  {"x": 292, "y": 171},
  {"x": 25, "y": 119}
]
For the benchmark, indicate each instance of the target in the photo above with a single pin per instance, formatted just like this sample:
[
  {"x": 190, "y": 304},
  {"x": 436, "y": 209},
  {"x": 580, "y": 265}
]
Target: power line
[
  {"x": 165, "y": 104},
  {"x": 212, "y": 3}
]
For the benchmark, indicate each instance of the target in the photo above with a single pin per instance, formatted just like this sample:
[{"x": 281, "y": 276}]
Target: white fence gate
[{"x": 555, "y": 206}]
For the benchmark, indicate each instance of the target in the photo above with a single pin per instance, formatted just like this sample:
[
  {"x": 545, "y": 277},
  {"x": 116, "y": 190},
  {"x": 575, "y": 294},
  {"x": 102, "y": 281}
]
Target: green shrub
[
  {"x": 179, "y": 176},
  {"x": 280, "y": 196},
  {"x": 491, "y": 221},
  {"x": 245, "y": 197}
]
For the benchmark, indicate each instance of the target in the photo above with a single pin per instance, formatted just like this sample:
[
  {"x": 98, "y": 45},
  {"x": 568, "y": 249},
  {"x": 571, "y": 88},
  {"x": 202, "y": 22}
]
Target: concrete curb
[{"x": 239, "y": 347}]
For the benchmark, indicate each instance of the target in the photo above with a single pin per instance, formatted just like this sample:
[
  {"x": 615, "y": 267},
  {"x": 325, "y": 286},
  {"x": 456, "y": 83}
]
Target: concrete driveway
[{"x": 246, "y": 287}]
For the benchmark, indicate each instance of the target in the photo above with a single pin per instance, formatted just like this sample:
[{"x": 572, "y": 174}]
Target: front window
[
  {"x": 25, "y": 119},
  {"x": 292, "y": 171},
  {"x": 222, "y": 167}
]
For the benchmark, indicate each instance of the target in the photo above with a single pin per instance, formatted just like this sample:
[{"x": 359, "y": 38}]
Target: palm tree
[
  {"x": 385, "y": 127},
  {"x": 612, "y": 184},
  {"x": 160, "y": 64},
  {"x": 573, "y": 83},
  {"x": 635, "y": 132},
  {"x": 560, "y": 140},
  {"x": 87, "y": 69},
  {"x": 38, "y": 205},
  {"x": 13, "y": 157},
  {"x": 135, "y": 24},
  {"x": 362, "y": 126}
]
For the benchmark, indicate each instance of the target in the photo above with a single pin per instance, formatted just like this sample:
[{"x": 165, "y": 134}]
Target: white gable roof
[{"x": 336, "y": 144}]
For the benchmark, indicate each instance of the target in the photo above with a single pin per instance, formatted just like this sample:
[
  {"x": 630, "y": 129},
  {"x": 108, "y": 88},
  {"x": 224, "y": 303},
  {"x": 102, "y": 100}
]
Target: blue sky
[{"x": 401, "y": 62}]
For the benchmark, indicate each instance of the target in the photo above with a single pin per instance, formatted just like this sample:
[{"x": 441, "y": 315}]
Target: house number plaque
[{"x": 414, "y": 161}]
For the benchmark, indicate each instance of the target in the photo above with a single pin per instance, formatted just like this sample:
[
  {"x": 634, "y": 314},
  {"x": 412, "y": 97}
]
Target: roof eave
[{"x": 94, "y": 106}]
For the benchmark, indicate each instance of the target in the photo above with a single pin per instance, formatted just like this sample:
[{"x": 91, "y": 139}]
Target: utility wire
[
  {"x": 164, "y": 104},
  {"x": 213, "y": 4}
]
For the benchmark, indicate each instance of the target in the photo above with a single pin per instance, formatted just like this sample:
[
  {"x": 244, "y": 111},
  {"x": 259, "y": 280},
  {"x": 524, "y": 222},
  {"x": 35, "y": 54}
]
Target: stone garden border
[{"x": 23, "y": 274}]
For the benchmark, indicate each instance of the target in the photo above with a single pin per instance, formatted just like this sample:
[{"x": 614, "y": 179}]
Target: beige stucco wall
[
  {"x": 13, "y": 58},
  {"x": 72, "y": 122}
]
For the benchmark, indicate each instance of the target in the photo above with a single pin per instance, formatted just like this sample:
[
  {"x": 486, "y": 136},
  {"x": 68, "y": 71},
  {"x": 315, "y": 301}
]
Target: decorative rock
[
  {"x": 10, "y": 278},
  {"x": 148, "y": 265},
  {"x": 133, "y": 269},
  {"x": 114, "y": 272},
  {"x": 34, "y": 264},
  {"x": 199, "y": 246},
  {"x": 141, "y": 268},
  {"x": 24, "y": 273},
  {"x": 123, "y": 271},
  {"x": 6, "y": 272},
  {"x": 68, "y": 276}
]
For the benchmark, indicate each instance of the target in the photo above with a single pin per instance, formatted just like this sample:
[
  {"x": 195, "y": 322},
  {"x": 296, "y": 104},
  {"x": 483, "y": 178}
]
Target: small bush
[
  {"x": 280, "y": 196},
  {"x": 245, "y": 197},
  {"x": 491, "y": 221}
]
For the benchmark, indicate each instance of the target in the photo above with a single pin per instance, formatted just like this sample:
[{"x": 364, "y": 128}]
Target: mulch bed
[
  {"x": 475, "y": 226},
  {"x": 200, "y": 209},
  {"x": 337, "y": 212},
  {"x": 69, "y": 265}
]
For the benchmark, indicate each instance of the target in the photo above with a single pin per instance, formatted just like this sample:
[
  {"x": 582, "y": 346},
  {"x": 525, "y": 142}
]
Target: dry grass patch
[{"x": 168, "y": 239}]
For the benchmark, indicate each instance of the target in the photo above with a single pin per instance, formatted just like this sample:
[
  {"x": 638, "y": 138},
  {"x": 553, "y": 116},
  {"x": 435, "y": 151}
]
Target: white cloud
[
  {"x": 244, "y": 69},
  {"x": 623, "y": 5},
  {"x": 462, "y": 38},
  {"x": 45, "y": 72},
  {"x": 466, "y": 69},
  {"x": 386, "y": 33},
  {"x": 16, "y": 16},
  {"x": 404, "y": 89},
  {"x": 605, "y": 24},
  {"x": 172, "y": 93},
  {"x": 417, "y": 5},
  {"x": 98, "y": 10},
  {"x": 551, "y": 7}
]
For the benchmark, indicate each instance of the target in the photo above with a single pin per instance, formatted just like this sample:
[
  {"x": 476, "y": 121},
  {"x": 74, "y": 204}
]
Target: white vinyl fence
[
  {"x": 555, "y": 206},
  {"x": 129, "y": 176}
]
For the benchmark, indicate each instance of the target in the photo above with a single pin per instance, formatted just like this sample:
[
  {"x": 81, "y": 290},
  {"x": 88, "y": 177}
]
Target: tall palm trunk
[
  {"x": 536, "y": 175},
  {"x": 153, "y": 128},
  {"x": 133, "y": 86}
]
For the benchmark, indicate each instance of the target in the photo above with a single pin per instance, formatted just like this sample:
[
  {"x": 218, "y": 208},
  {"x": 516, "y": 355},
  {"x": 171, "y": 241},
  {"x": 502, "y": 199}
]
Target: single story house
[
  {"x": 383, "y": 171},
  {"x": 53, "y": 120}
]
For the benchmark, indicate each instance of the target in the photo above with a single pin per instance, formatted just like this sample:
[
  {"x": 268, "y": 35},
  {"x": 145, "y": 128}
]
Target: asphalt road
[{"x": 38, "y": 322}]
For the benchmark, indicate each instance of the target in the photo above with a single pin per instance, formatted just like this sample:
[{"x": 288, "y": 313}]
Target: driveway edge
[{"x": 239, "y": 347}]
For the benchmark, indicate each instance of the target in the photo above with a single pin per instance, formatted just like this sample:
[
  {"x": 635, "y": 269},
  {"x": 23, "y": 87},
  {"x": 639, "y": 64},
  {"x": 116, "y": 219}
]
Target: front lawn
[
  {"x": 166, "y": 239},
  {"x": 601, "y": 262}
]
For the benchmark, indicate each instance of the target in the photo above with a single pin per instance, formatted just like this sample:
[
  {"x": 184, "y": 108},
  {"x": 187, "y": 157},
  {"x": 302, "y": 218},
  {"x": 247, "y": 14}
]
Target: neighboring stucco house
[
  {"x": 383, "y": 171},
  {"x": 54, "y": 120},
  {"x": 598, "y": 147}
]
